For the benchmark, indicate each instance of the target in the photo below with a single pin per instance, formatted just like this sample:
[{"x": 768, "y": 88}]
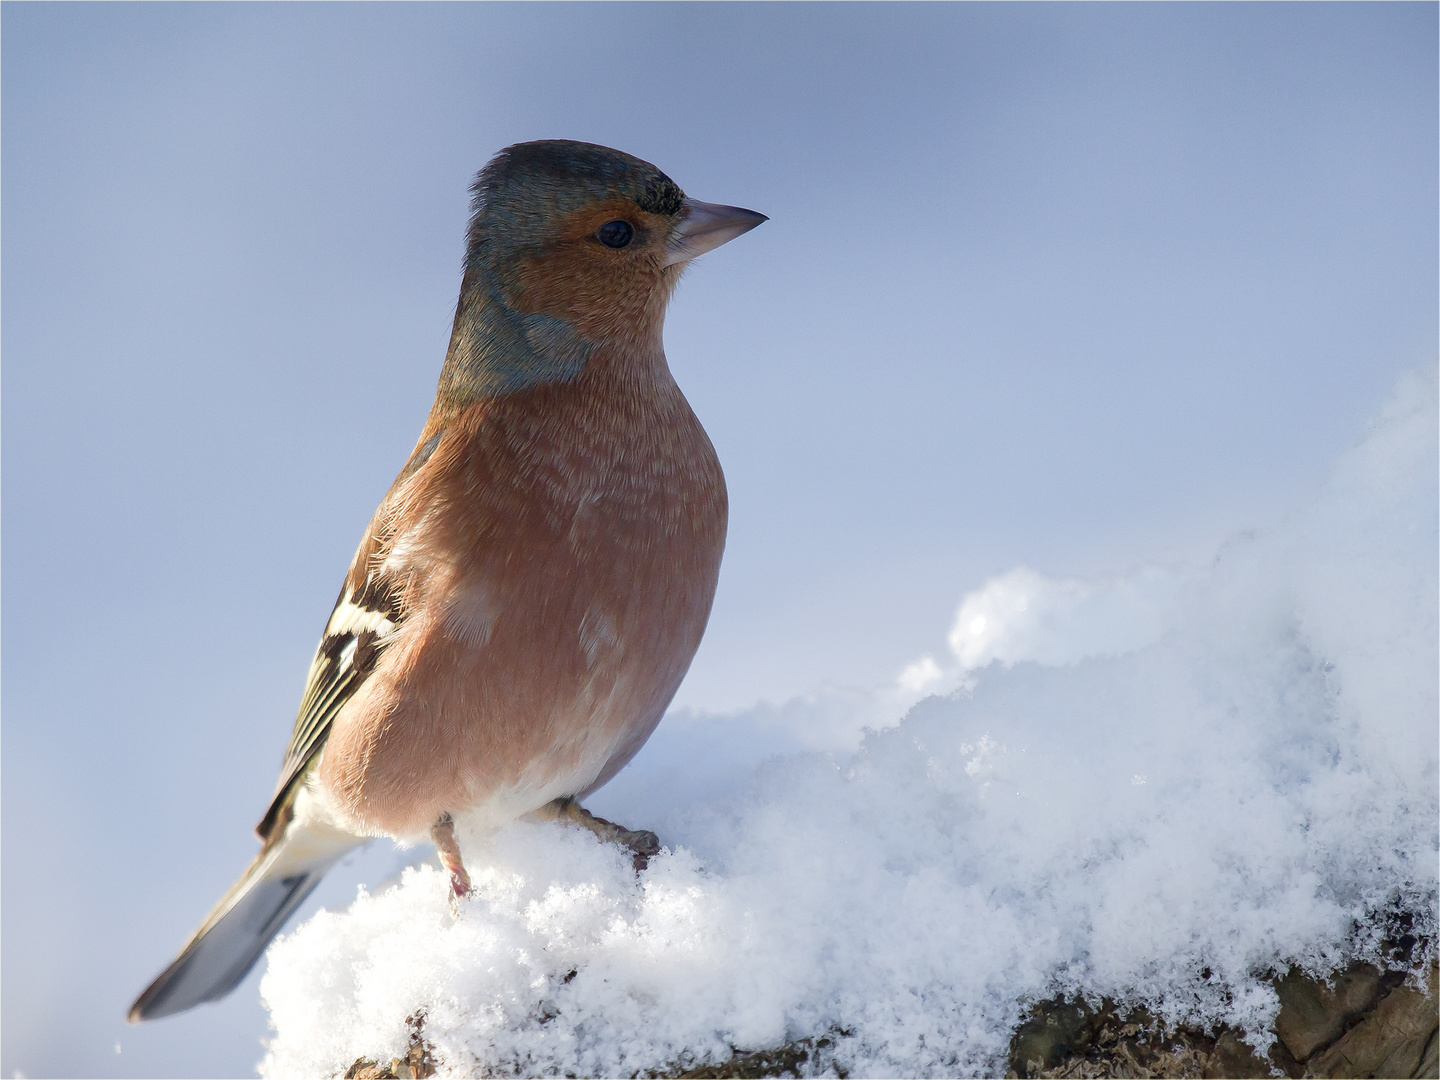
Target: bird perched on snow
[{"x": 535, "y": 582}]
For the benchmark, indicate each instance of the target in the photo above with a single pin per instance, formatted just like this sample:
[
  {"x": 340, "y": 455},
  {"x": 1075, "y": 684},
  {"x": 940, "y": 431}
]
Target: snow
[{"x": 1160, "y": 787}]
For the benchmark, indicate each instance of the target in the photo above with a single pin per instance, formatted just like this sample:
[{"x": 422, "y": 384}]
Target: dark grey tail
[{"x": 226, "y": 946}]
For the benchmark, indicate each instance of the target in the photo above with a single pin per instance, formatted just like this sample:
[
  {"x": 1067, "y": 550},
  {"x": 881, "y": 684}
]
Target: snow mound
[{"x": 1157, "y": 787}]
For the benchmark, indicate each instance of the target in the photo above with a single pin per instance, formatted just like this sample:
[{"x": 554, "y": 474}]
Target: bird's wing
[{"x": 366, "y": 615}]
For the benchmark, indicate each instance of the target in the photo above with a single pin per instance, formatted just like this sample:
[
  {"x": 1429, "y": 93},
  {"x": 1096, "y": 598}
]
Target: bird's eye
[{"x": 615, "y": 234}]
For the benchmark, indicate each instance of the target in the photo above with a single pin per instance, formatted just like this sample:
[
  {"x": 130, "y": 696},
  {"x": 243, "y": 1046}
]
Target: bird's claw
[{"x": 641, "y": 843}]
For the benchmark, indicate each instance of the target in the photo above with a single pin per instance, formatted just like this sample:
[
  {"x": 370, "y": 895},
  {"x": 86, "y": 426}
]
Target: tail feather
[{"x": 235, "y": 934}]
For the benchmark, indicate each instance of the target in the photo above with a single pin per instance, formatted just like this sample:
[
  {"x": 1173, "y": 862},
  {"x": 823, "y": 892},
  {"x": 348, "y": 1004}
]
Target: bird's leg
[
  {"x": 641, "y": 843},
  {"x": 443, "y": 834}
]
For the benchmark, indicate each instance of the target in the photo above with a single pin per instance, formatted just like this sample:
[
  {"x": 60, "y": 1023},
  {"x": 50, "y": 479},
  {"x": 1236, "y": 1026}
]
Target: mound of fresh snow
[{"x": 1154, "y": 787}]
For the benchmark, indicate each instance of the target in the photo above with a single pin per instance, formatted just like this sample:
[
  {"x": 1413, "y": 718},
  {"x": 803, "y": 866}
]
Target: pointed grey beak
[{"x": 705, "y": 227}]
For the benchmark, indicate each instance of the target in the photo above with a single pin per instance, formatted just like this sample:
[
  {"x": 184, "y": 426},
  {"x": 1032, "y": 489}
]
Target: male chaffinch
[{"x": 534, "y": 584}]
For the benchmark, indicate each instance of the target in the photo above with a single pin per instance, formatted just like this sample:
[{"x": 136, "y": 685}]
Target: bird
[{"x": 535, "y": 582}]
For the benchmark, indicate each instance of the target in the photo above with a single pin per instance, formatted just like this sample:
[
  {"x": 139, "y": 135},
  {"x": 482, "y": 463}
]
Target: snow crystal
[{"x": 1159, "y": 787}]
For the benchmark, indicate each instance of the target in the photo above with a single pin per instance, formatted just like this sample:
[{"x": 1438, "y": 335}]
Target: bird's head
[{"x": 571, "y": 246}]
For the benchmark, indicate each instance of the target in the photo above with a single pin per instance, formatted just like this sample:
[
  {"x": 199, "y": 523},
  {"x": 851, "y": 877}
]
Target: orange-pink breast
[{"x": 558, "y": 554}]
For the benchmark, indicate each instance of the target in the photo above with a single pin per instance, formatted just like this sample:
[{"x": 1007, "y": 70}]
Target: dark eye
[{"x": 615, "y": 234}]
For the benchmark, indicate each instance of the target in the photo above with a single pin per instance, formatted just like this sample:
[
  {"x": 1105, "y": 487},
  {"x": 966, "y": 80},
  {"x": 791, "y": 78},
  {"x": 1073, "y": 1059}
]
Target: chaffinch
[{"x": 534, "y": 584}]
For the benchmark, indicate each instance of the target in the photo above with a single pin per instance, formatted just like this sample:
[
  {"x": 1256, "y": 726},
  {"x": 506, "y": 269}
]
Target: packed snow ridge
[{"x": 1159, "y": 787}]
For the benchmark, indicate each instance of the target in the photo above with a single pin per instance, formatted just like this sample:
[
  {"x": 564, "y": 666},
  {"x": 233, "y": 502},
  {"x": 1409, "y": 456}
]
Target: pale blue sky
[{"x": 1069, "y": 286}]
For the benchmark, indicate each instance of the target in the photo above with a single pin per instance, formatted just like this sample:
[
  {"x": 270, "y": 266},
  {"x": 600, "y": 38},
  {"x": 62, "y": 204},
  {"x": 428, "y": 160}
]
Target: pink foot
[{"x": 443, "y": 834}]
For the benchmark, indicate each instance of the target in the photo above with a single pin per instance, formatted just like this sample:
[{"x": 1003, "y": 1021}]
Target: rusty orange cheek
[
  {"x": 598, "y": 296},
  {"x": 583, "y": 281}
]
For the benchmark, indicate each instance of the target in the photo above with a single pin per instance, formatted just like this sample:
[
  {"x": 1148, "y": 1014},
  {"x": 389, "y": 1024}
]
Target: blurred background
[{"x": 1065, "y": 286}]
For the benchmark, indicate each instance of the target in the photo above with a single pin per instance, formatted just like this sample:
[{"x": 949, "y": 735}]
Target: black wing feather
[{"x": 360, "y": 626}]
